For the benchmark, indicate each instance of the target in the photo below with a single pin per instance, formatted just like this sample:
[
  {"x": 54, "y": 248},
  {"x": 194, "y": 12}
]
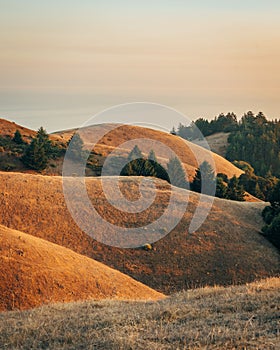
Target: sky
[{"x": 63, "y": 61}]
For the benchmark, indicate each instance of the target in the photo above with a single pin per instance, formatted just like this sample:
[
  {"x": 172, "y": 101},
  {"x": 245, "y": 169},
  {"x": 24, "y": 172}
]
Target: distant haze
[{"x": 63, "y": 61}]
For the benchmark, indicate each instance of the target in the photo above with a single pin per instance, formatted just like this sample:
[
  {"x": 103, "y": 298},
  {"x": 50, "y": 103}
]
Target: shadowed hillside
[
  {"x": 34, "y": 272},
  {"x": 226, "y": 249},
  {"x": 243, "y": 317}
]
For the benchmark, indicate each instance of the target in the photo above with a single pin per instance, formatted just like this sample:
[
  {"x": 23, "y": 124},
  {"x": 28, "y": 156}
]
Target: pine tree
[
  {"x": 135, "y": 153},
  {"x": 37, "y": 153},
  {"x": 18, "y": 138},
  {"x": 235, "y": 191},
  {"x": 152, "y": 156},
  {"x": 221, "y": 188},
  {"x": 176, "y": 173},
  {"x": 204, "y": 179},
  {"x": 75, "y": 148}
]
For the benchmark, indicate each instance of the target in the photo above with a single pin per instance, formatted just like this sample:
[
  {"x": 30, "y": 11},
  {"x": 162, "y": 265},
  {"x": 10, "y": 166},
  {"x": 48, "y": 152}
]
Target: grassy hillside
[
  {"x": 35, "y": 272},
  {"x": 187, "y": 151},
  {"x": 218, "y": 142},
  {"x": 226, "y": 249},
  {"x": 243, "y": 317}
]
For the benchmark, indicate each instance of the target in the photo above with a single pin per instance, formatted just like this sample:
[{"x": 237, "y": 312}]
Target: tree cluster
[
  {"x": 138, "y": 165},
  {"x": 40, "y": 151},
  {"x": 203, "y": 127},
  {"x": 253, "y": 139},
  {"x": 271, "y": 216},
  {"x": 220, "y": 186}
]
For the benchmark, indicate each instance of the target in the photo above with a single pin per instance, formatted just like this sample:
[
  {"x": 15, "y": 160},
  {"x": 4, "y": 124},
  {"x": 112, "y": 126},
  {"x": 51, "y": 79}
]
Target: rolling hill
[
  {"x": 190, "y": 154},
  {"x": 35, "y": 272},
  {"x": 226, "y": 249}
]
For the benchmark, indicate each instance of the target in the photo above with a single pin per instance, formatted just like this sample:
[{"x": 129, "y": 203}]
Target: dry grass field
[
  {"x": 237, "y": 317},
  {"x": 226, "y": 249},
  {"x": 190, "y": 154},
  {"x": 35, "y": 272}
]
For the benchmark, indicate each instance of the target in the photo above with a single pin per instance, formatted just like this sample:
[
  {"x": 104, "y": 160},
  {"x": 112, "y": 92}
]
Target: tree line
[{"x": 253, "y": 139}]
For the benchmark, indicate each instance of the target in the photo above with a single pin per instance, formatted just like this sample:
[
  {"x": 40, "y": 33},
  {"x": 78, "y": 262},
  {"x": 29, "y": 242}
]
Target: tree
[
  {"x": 75, "y": 148},
  {"x": 204, "y": 179},
  {"x": 18, "y": 138},
  {"x": 138, "y": 166},
  {"x": 221, "y": 188},
  {"x": 135, "y": 153},
  {"x": 235, "y": 191},
  {"x": 152, "y": 156},
  {"x": 176, "y": 173},
  {"x": 272, "y": 231},
  {"x": 274, "y": 197},
  {"x": 37, "y": 153}
]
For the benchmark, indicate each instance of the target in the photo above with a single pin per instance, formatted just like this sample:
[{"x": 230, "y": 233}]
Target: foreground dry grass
[{"x": 243, "y": 317}]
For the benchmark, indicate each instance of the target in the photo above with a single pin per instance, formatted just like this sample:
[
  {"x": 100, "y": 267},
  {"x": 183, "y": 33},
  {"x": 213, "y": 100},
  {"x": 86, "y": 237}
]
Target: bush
[
  {"x": 147, "y": 247},
  {"x": 272, "y": 231}
]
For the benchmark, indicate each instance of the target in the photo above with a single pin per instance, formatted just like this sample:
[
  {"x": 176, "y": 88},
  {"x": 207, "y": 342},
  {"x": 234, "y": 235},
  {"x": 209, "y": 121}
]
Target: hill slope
[
  {"x": 218, "y": 142},
  {"x": 190, "y": 154},
  {"x": 226, "y": 249},
  {"x": 34, "y": 271},
  {"x": 243, "y": 317}
]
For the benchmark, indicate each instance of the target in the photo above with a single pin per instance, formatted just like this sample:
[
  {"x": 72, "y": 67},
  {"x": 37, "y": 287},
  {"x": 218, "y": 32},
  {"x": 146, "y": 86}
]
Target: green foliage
[
  {"x": 202, "y": 127},
  {"x": 235, "y": 191},
  {"x": 75, "y": 148},
  {"x": 274, "y": 197},
  {"x": 221, "y": 188},
  {"x": 39, "y": 151},
  {"x": 144, "y": 167},
  {"x": 204, "y": 179},
  {"x": 18, "y": 138},
  {"x": 271, "y": 216},
  {"x": 254, "y": 139},
  {"x": 272, "y": 231},
  {"x": 257, "y": 142},
  {"x": 176, "y": 173},
  {"x": 135, "y": 154},
  {"x": 139, "y": 166},
  {"x": 152, "y": 156}
]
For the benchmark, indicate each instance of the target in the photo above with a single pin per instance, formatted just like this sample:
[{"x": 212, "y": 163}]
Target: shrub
[
  {"x": 272, "y": 231},
  {"x": 147, "y": 247}
]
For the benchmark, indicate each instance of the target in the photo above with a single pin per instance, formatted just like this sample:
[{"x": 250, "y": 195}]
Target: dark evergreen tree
[
  {"x": 75, "y": 148},
  {"x": 176, "y": 173},
  {"x": 37, "y": 153},
  {"x": 221, "y": 188},
  {"x": 204, "y": 179},
  {"x": 235, "y": 191},
  {"x": 135, "y": 153},
  {"x": 18, "y": 138},
  {"x": 152, "y": 156},
  {"x": 272, "y": 231}
]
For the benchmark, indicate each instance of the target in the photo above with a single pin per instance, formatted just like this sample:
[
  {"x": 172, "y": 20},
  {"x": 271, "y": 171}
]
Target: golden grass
[
  {"x": 226, "y": 249},
  {"x": 190, "y": 154},
  {"x": 237, "y": 317},
  {"x": 218, "y": 142},
  {"x": 34, "y": 272}
]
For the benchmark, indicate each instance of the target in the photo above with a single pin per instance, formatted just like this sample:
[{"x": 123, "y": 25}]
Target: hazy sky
[{"x": 63, "y": 61}]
